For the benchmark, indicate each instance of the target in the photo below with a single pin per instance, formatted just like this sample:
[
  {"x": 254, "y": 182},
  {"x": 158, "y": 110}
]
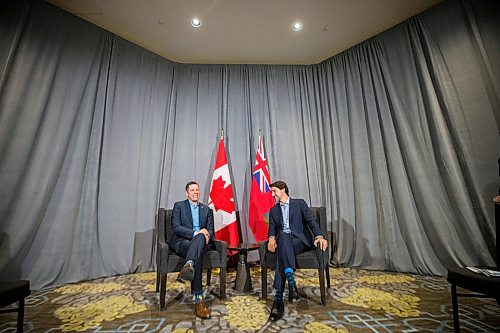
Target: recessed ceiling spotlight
[
  {"x": 297, "y": 26},
  {"x": 195, "y": 22}
]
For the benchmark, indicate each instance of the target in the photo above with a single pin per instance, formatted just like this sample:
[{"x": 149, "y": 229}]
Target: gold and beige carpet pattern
[{"x": 358, "y": 301}]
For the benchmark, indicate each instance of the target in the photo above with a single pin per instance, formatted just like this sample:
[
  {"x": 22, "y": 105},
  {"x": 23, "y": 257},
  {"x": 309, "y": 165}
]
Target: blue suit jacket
[
  {"x": 182, "y": 222},
  {"x": 302, "y": 221}
]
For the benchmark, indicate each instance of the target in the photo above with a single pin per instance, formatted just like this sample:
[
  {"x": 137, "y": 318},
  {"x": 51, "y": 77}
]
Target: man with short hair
[
  {"x": 192, "y": 230},
  {"x": 291, "y": 223}
]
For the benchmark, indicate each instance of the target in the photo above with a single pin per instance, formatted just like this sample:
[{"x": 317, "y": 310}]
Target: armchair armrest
[
  {"x": 162, "y": 253},
  {"x": 262, "y": 252},
  {"x": 221, "y": 247},
  {"x": 161, "y": 242},
  {"x": 322, "y": 257}
]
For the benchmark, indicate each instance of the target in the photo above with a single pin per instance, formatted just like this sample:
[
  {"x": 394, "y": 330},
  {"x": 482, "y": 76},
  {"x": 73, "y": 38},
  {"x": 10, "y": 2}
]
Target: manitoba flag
[
  {"x": 261, "y": 199},
  {"x": 221, "y": 199}
]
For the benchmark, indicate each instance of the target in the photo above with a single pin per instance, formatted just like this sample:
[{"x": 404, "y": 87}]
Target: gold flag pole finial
[
  {"x": 222, "y": 134},
  {"x": 260, "y": 132}
]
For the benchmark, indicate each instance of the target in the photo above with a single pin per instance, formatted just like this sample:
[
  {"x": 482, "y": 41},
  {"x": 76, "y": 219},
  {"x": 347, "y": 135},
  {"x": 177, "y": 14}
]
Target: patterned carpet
[{"x": 358, "y": 301}]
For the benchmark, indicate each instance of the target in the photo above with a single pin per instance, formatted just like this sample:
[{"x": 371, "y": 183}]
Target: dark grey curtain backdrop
[{"x": 398, "y": 137}]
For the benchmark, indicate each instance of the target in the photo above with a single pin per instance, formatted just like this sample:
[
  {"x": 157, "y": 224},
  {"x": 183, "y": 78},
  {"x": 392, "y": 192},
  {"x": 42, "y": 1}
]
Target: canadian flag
[{"x": 221, "y": 199}]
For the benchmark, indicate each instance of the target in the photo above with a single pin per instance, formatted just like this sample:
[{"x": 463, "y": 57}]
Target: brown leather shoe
[{"x": 202, "y": 310}]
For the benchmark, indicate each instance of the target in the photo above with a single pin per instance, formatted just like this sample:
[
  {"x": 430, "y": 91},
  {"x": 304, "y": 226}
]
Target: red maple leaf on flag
[{"x": 221, "y": 197}]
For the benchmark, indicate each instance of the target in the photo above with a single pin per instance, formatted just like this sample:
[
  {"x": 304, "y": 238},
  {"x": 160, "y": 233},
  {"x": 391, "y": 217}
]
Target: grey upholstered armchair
[
  {"x": 314, "y": 259},
  {"x": 168, "y": 262}
]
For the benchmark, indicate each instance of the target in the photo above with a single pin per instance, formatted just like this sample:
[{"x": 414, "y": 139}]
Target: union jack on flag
[{"x": 260, "y": 171}]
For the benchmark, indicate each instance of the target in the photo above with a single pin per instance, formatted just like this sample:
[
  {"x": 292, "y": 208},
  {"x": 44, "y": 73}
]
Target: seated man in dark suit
[
  {"x": 290, "y": 225},
  {"x": 192, "y": 229}
]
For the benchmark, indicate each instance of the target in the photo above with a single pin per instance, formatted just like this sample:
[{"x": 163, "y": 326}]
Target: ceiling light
[
  {"x": 297, "y": 26},
  {"x": 195, "y": 22}
]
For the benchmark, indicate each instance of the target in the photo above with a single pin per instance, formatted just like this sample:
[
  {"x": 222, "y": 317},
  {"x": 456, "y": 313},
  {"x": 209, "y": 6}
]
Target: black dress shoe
[
  {"x": 277, "y": 310},
  {"x": 293, "y": 294},
  {"x": 186, "y": 274}
]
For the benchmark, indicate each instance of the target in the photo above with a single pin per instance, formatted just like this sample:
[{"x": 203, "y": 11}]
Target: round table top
[
  {"x": 243, "y": 246},
  {"x": 465, "y": 278}
]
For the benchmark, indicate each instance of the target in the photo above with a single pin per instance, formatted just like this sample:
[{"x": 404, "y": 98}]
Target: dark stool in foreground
[
  {"x": 464, "y": 278},
  {"x": 11, "y": 292}
]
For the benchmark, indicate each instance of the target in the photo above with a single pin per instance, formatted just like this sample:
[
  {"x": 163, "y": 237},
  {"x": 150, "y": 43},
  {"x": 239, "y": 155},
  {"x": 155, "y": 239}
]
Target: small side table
[{"x": 243, "y": 278}]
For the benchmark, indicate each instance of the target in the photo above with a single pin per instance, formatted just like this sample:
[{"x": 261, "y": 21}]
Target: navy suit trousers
[
  {"x": 288, "y": 248},
  {"x": 194, "y": 250}
]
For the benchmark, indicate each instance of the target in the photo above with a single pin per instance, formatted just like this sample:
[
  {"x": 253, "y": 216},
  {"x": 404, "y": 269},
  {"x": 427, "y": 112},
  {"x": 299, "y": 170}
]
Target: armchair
[
  {"x": 12, "y": 292},
  {"x": 313, "y": 259},
  {"x": 168, "y": 262}
]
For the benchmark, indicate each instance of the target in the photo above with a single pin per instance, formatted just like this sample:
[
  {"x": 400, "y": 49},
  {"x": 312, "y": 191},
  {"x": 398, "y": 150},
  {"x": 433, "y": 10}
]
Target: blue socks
[
  {"x": 289, "y": 276},
  {"x": 278, "y": 295},
  {"x": 198, "y": 297}
]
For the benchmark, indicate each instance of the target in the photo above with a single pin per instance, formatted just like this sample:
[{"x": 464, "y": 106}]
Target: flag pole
[{"x": 222, "y": 133}]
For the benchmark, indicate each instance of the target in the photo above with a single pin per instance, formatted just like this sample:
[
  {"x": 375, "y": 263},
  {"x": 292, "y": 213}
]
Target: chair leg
[
  {"x": 263, "y": 275},
  {"x": 327, "y": 271},
  {"x": 209, "y": 276},
  {"x": 157, "y": 281},
  {"x": 222, "y": 281},
  {"x": 321, "y": 273},
  {"x": 20, "y": 316},
  {"x": 454, "y": 301},
  {"x": 163, "y": 290}
]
